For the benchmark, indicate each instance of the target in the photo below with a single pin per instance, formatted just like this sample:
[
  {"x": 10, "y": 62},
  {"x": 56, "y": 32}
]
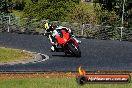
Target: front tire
[{"x": 74, "y": 50}]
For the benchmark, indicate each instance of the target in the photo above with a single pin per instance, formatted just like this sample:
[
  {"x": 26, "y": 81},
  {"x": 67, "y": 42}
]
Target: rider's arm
[
  {"x": 51, "y": 39},
  {"x": 54, "y": 33}
]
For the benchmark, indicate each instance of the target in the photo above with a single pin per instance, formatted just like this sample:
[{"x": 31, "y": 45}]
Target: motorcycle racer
[{"x": 55, "y": 30}]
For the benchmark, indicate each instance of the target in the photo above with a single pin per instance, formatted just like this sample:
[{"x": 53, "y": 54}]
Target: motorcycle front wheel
[{"x": 74, "y": 50}]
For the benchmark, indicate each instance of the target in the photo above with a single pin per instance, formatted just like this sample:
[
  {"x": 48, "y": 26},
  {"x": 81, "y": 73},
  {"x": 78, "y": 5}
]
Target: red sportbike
[{"x": 68, "y": 44}]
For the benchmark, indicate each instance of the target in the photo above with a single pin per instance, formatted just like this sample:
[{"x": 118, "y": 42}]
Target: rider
[{"x": 54, "y": 31}]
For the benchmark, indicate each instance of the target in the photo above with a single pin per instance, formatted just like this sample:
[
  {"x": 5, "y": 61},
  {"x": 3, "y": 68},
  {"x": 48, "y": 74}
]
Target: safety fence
[{"x": 34, "y": 26}]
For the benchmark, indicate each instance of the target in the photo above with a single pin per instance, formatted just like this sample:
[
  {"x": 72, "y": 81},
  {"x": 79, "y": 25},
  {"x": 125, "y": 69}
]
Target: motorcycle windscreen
[{"x": 63, "y": 38}]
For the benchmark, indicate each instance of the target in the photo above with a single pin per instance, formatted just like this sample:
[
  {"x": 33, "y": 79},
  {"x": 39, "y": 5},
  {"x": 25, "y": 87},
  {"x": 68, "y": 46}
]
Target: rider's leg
[
  {"x": 53, "y": 48},
  {"x": 54, "y": 44}
]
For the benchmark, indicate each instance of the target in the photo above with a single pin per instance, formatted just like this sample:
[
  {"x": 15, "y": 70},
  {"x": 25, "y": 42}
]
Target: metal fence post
[
  {"x": 9, "y": 24},
  {"x": 82, "y": 30},
  {"x": 9, "y": 21},
  {"x": 122, "y": 18},
  {"x": 121, "y": 33}
]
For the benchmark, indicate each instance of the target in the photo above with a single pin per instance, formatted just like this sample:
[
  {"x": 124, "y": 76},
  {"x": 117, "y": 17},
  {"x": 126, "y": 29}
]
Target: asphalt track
[{"x": 97, "y": 55}]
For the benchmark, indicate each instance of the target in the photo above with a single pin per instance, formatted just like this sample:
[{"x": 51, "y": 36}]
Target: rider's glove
[
  {"x": 73, "y": 35},
  {"x": 69, "y": 30}
]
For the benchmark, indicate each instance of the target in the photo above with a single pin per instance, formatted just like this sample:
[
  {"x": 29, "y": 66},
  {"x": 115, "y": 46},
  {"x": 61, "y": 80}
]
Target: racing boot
[{"x": 53, "y": 48}]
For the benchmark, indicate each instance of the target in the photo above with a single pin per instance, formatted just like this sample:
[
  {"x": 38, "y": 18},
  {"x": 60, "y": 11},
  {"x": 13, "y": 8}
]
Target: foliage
[
  {"x": 117, "y": 6},
  {"x": 83, "y": 13},
  {"x": 76, "y": 1},
  {"x": 104, "y": 12},
  {"x": 127, "y": 36},
  {"x": 105, "y": 17},
  {"x": 111, "y": 14},
  {"x": 19, "y": 4},
  {"x": 5, "y": 6},
  {"x": 46, "y": 9},
  {"x": 128, "y": 14}
]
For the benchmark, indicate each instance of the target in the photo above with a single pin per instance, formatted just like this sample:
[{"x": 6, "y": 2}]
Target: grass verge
[
  {"x": 9, "y": 55},
  {"x": 63, "y": 82}
]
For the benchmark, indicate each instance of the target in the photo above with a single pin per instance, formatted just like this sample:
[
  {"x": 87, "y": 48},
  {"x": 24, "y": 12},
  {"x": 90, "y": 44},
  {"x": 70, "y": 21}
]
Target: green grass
[
  {"x": 54, "y": 83},
  {"x": 8, "y": 55}
]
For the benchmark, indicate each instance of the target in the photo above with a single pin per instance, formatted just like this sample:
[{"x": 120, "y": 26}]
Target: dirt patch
[
  {"x": 4, "y": 76},
  {"x": 22, "y": 75}
]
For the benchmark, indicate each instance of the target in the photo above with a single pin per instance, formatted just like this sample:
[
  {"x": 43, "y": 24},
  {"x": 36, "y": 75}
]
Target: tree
[
  {"x": 19, "y": 4},
  {"x": 83, "y": 13},
  {"x": 5, "y": 6},
  {"x": 128, "y": 13},
  {"x": 34, "y": 1},
  {"x": 117, "y": 6},
  {"x": 48, "y": 9},
  {"x": 76, "y": 1}
]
